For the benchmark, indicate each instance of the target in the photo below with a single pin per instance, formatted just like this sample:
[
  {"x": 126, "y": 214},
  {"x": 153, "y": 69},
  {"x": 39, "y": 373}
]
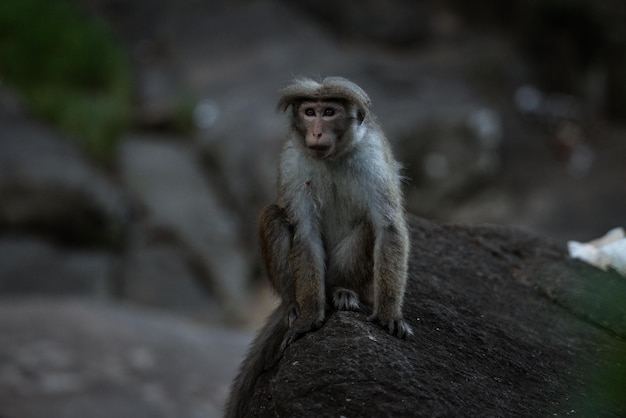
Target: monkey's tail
[{"x": 264, "y": 352}]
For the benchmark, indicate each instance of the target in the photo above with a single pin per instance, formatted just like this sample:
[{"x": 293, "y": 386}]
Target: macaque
[{"x": 336, "y": 237}]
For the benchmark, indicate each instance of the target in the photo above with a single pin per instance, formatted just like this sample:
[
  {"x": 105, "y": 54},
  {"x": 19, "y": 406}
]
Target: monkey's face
[{"x": 322, "y": 124}]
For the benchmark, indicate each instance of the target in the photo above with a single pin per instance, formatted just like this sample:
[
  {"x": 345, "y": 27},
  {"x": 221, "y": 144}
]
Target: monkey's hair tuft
[{"x": 330, "y": 88}]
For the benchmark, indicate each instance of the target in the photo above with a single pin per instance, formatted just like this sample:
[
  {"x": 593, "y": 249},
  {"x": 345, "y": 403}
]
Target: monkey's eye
[
  {"x": 309, "y": 112},
  {"x": 329, "y": 111}
]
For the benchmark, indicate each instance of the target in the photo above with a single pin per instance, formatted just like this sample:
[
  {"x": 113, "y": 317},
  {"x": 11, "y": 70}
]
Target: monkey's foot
[
  {"x": 396, "y": 327},
  {"x": 299, "y": 328},
  {"x": 346, "y": 300}
]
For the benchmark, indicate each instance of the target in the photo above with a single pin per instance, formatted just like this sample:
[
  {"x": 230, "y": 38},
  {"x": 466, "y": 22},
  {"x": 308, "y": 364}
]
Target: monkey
[{"x": 336, "y": 237}]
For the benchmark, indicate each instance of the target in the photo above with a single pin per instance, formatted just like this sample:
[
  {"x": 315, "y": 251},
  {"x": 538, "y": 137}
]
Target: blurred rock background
[{"x": 139, "y": 139}]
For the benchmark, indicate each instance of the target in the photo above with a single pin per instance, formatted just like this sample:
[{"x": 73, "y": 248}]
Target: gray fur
[{"x": 337, "y": 233}]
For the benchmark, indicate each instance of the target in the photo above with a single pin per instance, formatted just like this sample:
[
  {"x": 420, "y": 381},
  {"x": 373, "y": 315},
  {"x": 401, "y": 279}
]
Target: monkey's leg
[{"x": 390, "y": 269}]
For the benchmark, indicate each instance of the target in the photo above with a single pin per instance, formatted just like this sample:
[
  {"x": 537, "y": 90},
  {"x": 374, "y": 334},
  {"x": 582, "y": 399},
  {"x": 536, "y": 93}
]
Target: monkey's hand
[
  {"x": 300, "y": 323},
  {"x": 394, "y": 326}
]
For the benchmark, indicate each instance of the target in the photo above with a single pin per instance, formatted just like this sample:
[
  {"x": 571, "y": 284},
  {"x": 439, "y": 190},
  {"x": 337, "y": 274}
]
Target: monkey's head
[{"x": 326, "y": 114}]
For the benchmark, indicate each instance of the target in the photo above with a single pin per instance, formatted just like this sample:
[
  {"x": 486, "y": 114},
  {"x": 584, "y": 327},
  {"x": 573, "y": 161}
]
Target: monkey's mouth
[{"x": 319, "y": 151}]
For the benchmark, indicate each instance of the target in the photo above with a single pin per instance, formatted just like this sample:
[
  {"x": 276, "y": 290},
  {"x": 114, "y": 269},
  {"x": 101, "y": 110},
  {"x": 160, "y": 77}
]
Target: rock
[
  {"x": 505, "y": 325},
  {"x": 62, "y": 221},
  {"x": 456, "y": 155},
  {"x": 34, "y": 266},
  {"x": 161, "y": 274},
  {"x": 159, "y": 98},
  {"x": 166, "y": 177},
  {"x": 76, "y": 358},
  {"x": 396, "y": 23},
  {"x": 48, "y": 187}
]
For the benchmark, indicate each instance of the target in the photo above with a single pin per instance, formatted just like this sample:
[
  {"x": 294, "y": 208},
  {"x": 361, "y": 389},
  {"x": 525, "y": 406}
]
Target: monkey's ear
[
  {"x": 360, "y": 116},
  {"x": 284, "y": 103}
]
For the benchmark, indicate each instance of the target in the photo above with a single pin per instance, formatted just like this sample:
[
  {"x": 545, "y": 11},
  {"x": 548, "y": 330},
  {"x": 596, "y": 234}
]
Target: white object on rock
[{"x": 604, "y": 252}]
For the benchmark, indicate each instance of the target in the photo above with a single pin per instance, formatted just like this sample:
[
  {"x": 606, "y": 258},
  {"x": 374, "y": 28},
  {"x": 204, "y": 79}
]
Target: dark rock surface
[{"x": 505, "y": 325}]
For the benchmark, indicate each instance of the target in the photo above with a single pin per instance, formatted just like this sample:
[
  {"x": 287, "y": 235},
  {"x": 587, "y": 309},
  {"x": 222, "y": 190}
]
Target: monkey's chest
[{"x": 342, "y": 210}]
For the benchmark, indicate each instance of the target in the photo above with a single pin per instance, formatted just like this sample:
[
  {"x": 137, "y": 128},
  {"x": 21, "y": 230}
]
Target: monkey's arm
[
  {"x": 391, "y": 255},
  {"x": 306, "y": 251},
  {"x": 390, "y": 269},
  {"x": 306, "y": 259},
  {"x": 293, "y": 258}
]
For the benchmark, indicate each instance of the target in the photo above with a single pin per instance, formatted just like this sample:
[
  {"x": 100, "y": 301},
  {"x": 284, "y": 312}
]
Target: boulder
[
  {"x": 30, "y": 265},
  {"x": 161, "y": 274},
  {"x": 505, "y": 325},
  {"x": 76, "y": 358},
  {"x": 63, "y": 221},
  {"x": 48, "y": 187},
  {"x": 183, "y": 207},
  {"x": 395, "y": 23}
]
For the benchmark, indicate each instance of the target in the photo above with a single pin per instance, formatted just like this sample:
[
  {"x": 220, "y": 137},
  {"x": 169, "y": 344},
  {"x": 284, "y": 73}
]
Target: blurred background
[{"x": 139, "y": 139}]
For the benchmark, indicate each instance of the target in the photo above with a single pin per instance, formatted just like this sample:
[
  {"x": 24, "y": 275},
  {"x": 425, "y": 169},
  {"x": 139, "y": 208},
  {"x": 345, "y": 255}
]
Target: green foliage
[{"x": 69, "y": 69}]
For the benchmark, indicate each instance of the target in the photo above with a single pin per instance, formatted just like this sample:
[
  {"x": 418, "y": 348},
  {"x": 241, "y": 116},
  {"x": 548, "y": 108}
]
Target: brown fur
[{"x": 336, "y": 238}]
